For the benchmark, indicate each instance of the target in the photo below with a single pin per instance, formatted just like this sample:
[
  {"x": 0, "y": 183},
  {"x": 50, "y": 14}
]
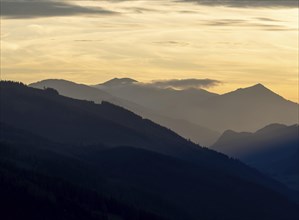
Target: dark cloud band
[
  {"x": 247, "y": 3},
  {"x": 34, "y": 9}
]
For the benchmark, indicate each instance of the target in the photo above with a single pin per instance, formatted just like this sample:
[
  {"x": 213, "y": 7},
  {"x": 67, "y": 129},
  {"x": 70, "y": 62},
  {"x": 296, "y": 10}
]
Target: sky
[{"x": 236, "y": 43}]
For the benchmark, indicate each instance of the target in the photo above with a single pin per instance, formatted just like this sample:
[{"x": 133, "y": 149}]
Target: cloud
[
  {"x": 141, "y": 9},
  {"x": 184, "y": 83},
  {"x": 247, "y": 3},
  {"x": 245, "y": 23},
  {"x": 268, "y": 19},
  {"x": 35, "y": 9}
]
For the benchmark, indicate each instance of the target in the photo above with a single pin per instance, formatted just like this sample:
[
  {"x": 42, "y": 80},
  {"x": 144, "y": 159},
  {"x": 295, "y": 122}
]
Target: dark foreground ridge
[{"x": 62, "y": 158}]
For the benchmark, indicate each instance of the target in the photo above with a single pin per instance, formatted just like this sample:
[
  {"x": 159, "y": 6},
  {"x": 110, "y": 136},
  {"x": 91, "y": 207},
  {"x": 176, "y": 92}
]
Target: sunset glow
[{"x": 150, "y": 40}]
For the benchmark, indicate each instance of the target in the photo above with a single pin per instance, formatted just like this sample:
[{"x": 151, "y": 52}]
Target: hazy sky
[{"x": 93, "y": 41}]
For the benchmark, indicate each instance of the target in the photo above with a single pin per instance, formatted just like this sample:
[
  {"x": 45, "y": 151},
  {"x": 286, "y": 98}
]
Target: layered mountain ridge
[
  {"x": 246, "y": 109},
  {"x": 105, "y": 148},
  {"x": 273, "y": 149}
]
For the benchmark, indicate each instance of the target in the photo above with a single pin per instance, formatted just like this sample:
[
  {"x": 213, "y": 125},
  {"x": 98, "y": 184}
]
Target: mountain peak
[
  {"x": 257, "y": 89},
  {"x": 119, "y": 82},
  {"x": 259, "y": 86},
  {"x": 271, "y": 127},
  {"x": 55, "y": 82}
]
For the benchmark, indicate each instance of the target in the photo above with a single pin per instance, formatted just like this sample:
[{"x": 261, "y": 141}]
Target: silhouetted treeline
[
  {"x": 29, "y": 195},
  {"x": 79, "y": 160}
]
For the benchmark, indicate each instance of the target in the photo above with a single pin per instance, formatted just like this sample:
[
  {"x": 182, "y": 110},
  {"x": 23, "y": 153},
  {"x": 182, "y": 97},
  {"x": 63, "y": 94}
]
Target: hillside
[
  {"x": 114, "y": 152},
  {"x": 248, "y": 109},
  {"x": 272, "y": 149},
  {"x": 245, "y": 109},
  {"x": 187, "y": 129}
]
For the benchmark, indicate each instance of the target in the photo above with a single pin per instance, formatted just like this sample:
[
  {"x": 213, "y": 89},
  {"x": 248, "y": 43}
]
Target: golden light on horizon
[{"x": 148, "y": 40}]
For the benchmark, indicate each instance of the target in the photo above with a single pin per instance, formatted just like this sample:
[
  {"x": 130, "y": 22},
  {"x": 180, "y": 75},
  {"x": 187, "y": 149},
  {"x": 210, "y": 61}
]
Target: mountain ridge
[
  {"x": 265, "y": 150},
  {"x": 195, "y": 132},
  {"x": 118, "y": 82},
  {"x": 186, "y": 111},
  {"x": 89, "y": 135}
]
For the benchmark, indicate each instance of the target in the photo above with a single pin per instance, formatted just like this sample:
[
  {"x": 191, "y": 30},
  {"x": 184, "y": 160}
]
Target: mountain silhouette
[
  {"x": 166, "y": 101},
  {"x": 273, "y": 149},
  {"x": 194, "y": 114},
  {"x": 119, "y": 82},
  {"x": 45, "y": 180},
  {"x": 187, "y": 129},
  {"x": 109, "y": 150},
  {"x": 79, "y": 91},
  {"x": 246, "y": 109}
]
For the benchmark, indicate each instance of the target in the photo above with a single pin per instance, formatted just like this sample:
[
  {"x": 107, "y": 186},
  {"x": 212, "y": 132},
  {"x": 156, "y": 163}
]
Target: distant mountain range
[
  {"x": 118, "y": 82},
  {"x": 249, "y": 109},
  {"x": 245, "y": 109},
  {"x": 72, "y": 159},
  {"x": 273, "y": 149},
  {"x": 185, "y": 111},
  {"x": 193, "y": 113},
  {"x": 187, "y": 129}
]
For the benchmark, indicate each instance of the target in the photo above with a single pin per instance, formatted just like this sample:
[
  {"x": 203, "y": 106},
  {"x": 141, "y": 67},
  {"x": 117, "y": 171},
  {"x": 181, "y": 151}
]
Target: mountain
[
  {"x": 119, "y": 82},
  {"x": 195, "y": 132},
  {"x": 245, "y": 109},
  {"x": 40, "y": 179},
  {"x": 248, "y": 109},
  {"x": 74, "y": 90},
  {"x": 193, "y": 114},
  {"x": 273, "y": 149},
  {"x": 166, "y": 101},
  {"x": 105, "y": 149}
]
